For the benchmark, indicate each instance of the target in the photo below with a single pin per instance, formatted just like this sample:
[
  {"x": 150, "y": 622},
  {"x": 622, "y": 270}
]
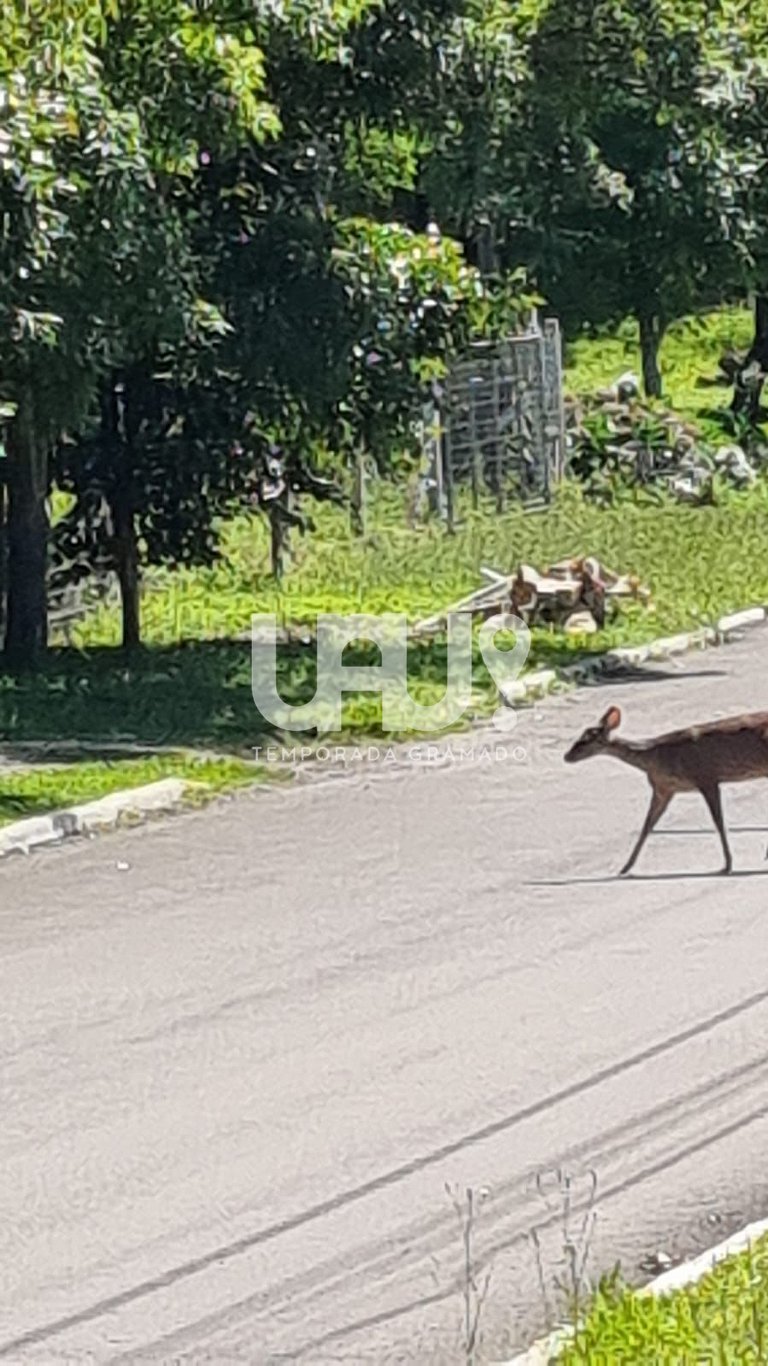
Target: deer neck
[{"x": 636, "y": 753}]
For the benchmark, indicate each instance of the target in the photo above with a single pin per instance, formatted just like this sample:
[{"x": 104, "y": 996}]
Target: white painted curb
[
  {"x": 543, "y": 1351},
  {"x": 753, "y": 616},
  {"x": 533, "y": 685},
  {"x": 688, "y": 1273},
  {"x": 137, "y": 801},
  {"x": 90, "y": 817},
  {"x": 630, "y": 656}
]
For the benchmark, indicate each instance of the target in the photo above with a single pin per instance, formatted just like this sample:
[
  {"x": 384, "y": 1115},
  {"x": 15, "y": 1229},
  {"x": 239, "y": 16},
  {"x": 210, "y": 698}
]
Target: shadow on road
[
  {"x": 643, "y": 877},
  {"x": 610, "y": 680},
  {"x": 704, "y": 830}
]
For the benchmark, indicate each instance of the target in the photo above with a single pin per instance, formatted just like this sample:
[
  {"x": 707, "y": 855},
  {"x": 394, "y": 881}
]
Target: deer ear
[{"x": 612, "y": 719}]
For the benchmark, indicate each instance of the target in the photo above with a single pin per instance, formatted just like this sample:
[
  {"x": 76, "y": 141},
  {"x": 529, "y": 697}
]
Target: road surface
[{"x": 241, "y": 1074}]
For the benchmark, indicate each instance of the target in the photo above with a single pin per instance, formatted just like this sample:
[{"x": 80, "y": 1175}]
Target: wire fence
[{"x": 497, "y": 426}]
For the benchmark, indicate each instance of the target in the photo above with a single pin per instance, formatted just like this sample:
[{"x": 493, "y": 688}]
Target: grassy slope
[
  {"x": 723, "y": 1318},
  {"x": 689, "y": 356},
  {"x": 397, "y": 569},
  {"x": 698, "y": 562}
]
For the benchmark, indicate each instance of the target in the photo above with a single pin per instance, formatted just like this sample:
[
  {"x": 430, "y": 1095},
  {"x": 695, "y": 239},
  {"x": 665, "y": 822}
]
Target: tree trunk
[
  {"x": 750, "y": 377},
  {"x": 124, "y": 503},
  {"x": 485, "y": 249},
  {"x": 277, "y": 542},
  {"x": 3, "y": 547},
  {"x": 651, "y": 333},
  {"x": 118, "y": 425},
  {"x": 127, "y": 567},
  {"x": 26, "y": 633}
]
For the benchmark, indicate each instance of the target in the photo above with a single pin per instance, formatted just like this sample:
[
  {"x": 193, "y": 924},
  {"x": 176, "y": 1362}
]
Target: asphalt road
[{"x": 239, "y": 1073}]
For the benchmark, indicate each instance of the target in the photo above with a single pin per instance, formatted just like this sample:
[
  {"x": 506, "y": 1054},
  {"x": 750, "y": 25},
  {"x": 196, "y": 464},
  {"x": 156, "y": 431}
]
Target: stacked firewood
[{"x": 577, "y": 595}]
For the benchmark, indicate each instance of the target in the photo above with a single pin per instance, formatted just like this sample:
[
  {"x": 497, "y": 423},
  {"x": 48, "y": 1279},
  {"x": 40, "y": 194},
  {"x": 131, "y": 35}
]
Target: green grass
[
  {"x": 690, "y": 556},
  {"x": 689, "y": 358},
  {"x": 699, "y": 563},
  {"x": 722, "y": 1319},
  {"x": 37, "y": 791},
  {"x": 395, "y": 568},
  {"x": 191, "y": 684}
]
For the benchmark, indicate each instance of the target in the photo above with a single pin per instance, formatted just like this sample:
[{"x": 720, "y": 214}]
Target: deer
[{"x": 697, "y": 759}]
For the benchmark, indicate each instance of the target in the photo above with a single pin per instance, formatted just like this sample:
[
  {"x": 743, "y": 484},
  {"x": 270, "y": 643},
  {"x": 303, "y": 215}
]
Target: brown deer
[{"x": 697, "y": 759}]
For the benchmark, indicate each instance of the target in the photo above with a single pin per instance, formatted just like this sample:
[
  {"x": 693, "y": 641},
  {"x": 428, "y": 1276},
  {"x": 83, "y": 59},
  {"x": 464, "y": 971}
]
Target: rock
[
  {"x": 752, "y": 376},
  {"x": 684, "y": 444},
  {"x": 657, "y": 1263},
  {"x": 627, "y": 386},
  {"x": 690, "y": 487},
  {"x": 733, "y": 461}
]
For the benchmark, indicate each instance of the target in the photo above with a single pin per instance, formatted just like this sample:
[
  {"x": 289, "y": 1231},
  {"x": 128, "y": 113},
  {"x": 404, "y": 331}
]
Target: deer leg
[
  {"x": 659, "y": 803},
  {"x": 711, "y": 796}
]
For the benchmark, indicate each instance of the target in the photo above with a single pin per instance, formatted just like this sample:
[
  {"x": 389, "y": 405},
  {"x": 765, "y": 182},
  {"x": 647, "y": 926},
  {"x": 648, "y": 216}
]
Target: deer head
[{"x": 595, "y": 739}]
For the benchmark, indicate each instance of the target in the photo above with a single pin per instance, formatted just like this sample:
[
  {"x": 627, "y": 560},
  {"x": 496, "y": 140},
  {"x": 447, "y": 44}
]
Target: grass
[
  {"x": 191, "y": 684},
  {"x": 689, "y": 358},
  {"x": 396, "y": 568},
  {"x": 721, "y": 1319},
  {"x": 695, "y": 559},
  {"x": 36, "y": 791},
  {"x": 699, "y": 563}
]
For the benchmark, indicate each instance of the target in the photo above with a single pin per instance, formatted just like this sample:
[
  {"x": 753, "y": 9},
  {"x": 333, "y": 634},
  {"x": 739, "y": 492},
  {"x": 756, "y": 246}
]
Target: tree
[
  {"x": 150, "y": 186},
  {"x": 338, "y": 316},
  {"x": 584, "y": 141},
  {"x": 414, "y": 304},
  {"x": 736, "y": 92},
  {"x": 51, "y": 138},
  {"x": 98, "y": 150},
  {"x": 155, "y": 464},
  {"x": 637, "y": 207}
]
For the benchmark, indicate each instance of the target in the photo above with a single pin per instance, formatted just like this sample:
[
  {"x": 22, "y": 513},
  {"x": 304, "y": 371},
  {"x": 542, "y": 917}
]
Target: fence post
[
  {"x": 431, "y": 446},
  {"x": 499, "y": 439},
  {"x": 554, "y": 393},
  {"x": 446, "y": 461},
  {"x": 476, "y": 453},
  {"x": 439, "y": 485},
  {"x": 357, "y": 501}
]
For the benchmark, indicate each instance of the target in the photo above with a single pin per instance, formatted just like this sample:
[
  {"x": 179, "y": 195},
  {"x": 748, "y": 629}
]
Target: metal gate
[{"x": 499, "y": 423}]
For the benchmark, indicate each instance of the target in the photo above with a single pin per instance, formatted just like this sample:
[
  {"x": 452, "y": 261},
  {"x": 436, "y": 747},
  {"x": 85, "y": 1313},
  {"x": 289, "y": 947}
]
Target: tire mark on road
[{"x": 378, "y": 1183}]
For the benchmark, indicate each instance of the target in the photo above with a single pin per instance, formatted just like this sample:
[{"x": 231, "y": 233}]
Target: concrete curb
[
  {"x": 688, "y": 1273},
  {"x": 537, "y": 684},
  {"x": 124, "y": 807},
  {"x": 753, "y": 616}
]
